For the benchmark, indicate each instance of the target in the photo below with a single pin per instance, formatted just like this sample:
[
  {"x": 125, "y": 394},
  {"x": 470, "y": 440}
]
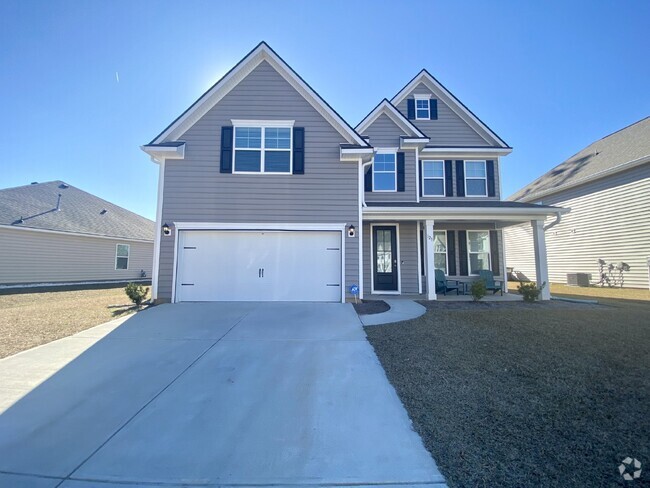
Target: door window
[{"x": 384, "y": 251}]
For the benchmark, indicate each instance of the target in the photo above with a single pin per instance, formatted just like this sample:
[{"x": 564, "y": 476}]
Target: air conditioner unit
[{"x": 577, "y": 279}]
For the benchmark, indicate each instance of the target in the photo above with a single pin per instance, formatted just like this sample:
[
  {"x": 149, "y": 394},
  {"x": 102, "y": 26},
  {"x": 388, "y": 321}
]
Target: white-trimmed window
[
  {"x": 433, "y": 178},
  {"x": 440, "y": 250},
  {"x": 122, "y": 252},
  {"x": 478, "y": 251},
  {"x": 475, "y": 179},
  {"x": 422, "y": 107},
  {"x": 263, "y": 149},
  {"x": 384, "y": 171}
]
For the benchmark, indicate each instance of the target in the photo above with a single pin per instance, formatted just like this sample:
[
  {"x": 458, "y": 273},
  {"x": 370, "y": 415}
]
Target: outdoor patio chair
[
  {"x": 490, "y": 284},
  {"x": 442, "y": 283}
]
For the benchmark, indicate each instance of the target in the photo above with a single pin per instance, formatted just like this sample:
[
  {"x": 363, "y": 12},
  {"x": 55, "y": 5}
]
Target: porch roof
[{"x": 459, "y": 210}]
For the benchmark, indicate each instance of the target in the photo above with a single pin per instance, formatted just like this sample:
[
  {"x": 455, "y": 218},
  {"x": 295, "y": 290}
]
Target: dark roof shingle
[
  {"x": 629, "y": 144},
  {"x": 79, "y": 212}
]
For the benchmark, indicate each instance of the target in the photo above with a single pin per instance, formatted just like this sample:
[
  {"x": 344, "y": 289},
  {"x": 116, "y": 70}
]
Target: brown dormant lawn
[
  {"x": 515, "y": 394},
  {"x": 31, "y": 319}
]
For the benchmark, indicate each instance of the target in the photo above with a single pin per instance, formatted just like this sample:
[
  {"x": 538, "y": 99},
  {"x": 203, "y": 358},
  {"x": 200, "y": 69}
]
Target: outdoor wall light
[
  {"x": 352, "y": 231},
  {"x": 167, "y": 230}
]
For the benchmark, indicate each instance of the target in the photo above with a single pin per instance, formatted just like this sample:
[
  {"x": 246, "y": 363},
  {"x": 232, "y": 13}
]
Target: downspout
[
  {"x": 558, "y": 219},
  {"x": 363, "y": 173}
]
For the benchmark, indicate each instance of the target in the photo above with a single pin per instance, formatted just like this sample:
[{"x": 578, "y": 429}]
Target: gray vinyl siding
[
  {"x": 40, "y": 257},
  {"x": 384, "y": 133},
  {"x": 608, "y": 220},
  {"x": 195, "y": 190},
  {"x": 408, "y": 247},
  {"x": 449, "y": 129}
]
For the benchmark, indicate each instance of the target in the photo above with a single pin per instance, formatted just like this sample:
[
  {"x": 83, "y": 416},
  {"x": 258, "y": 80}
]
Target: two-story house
[{"x": 267, "y": 193}]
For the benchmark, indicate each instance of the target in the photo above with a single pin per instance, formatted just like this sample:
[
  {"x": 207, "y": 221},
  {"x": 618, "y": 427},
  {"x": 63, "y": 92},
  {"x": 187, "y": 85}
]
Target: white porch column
[
  {"x": 431, "y": 270},
  {"x": 541, "y": 263}
]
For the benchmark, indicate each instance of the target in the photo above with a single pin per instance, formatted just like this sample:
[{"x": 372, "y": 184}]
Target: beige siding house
[
  {"x": 55, "y": 234},
  {"x": 607, "y": 188}
]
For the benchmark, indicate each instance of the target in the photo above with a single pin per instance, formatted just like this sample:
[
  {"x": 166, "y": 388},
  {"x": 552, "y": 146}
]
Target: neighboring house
[
  {"x": 266, "y": 193},
  {"x": 607, "y": 187},
  {"x": 54, "y": 233}
]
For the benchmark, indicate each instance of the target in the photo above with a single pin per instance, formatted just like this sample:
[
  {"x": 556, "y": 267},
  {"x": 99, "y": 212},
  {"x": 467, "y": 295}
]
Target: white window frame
[
  {"x": 444, "y": 187},
  {"x": 128, "y": 256},
  {"x": 444, "y": 232},
  {"x": 392, "y": 151},
  {"x": 262, "y": 125},
  {"x": 428, "y": 100},
  {"x": 469, "y": 252},
  {"x": 484, "y": 178}
]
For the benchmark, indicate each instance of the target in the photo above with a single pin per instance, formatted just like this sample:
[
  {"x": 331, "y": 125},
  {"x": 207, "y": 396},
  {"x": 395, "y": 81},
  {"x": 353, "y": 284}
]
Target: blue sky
[{"x": 548, "y": 77}]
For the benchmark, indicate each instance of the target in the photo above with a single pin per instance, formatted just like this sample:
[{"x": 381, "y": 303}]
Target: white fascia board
[
  {"x": 160, "y": 153},
  {"x": 387, "y": 108},
  {"x": 257, "y": 226},
  {"x": 470, "y": 152},
  {"x": 220, "y": 89},
  {"x": 355, "y": 154},
  {"x": 413, "y": 143},
  {"x": 452, "y": 102},
  {"x": 74, "y": 234},
  {"x": 462, "y": 213}
]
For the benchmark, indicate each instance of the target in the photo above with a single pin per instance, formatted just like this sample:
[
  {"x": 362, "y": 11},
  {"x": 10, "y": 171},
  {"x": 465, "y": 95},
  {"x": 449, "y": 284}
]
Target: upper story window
[
  {"x": 475, "y": 179},
  {"x": 433, "y": 178},
  {"x": 122, "y": 252},
  {"x": 422, "y": 108},
  {"x": 478, "y": 247},
  {"x": 384, "y": 171},
  {"x": 263, "y": 149}
]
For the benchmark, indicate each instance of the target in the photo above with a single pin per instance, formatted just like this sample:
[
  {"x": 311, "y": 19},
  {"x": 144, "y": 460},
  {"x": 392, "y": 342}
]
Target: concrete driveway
[{"x": 208, "y": 394}]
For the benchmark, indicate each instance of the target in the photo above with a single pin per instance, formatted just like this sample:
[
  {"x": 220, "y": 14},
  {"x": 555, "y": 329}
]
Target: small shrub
[
  {"x": 136, "y": 293},
  {"x": 478, "y": 290},
  {"x": 530, "y": 291}
]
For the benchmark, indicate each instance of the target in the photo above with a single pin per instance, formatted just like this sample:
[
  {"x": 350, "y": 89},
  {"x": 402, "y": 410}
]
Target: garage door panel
[{"x": 259, "y": 266}]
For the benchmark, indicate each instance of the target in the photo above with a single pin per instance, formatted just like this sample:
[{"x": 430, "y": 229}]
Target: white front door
[{"x": 259, "y": 266}]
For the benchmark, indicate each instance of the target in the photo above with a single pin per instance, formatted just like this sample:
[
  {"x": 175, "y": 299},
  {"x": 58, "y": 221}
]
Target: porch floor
[{"x": 507, "y": 297}]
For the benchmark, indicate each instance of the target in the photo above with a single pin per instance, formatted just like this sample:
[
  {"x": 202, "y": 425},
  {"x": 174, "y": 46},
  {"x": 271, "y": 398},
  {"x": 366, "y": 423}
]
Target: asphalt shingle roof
[
  {"x": 79, "y": 212},
  {"x": 629, "y": 144}
]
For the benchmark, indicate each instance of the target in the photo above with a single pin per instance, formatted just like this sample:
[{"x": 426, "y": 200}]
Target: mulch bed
[
  {"x": 517, "y": 395},
  {"x": 369, "y": 307}
]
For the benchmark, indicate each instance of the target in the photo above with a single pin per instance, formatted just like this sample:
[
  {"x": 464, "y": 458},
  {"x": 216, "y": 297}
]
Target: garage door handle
[{"x": 262, "y": 272}]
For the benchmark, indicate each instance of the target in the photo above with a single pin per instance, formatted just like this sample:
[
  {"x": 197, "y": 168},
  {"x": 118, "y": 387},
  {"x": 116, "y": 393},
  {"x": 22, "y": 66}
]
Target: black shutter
[
  {"x": 421, "y": 177},
  {"x": 410, "y": 108},
  {"x": 494, "y": 253},
  {"x": 226, "y": 149},
  {"x": 489, "y": 166},
  {"x": 298, "y": 150},
  {"x": 433, "y": 109},
  {"x": 462, "y": 252},
  {"x": 368, "y": 179},
  {"x": 451, "y": 252},
  {"x": 449, "y": 179},
  {"x": 400, "y": 172},
  {"x": 460, "y": 178}
]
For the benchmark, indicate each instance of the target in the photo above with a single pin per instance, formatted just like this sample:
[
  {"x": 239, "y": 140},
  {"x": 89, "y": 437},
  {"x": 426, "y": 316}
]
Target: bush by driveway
[{"x": 514, "y": 394}]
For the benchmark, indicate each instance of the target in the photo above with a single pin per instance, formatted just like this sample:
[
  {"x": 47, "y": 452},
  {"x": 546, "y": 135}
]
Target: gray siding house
[
  {"x": 266, "y": 193},
  {"x": 607, "y": 187},
  {"x": 55, "y": 234}
]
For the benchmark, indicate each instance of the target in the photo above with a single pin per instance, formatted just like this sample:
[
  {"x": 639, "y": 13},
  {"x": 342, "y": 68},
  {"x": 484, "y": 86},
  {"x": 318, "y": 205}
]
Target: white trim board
[
  {"x": 452, "y": 102},
  {"x": 262, "y": 52},
  {"x": 387, "y": 108},
  {"x": 372, "y": 260},
  {"x": 74, "y": 234}
]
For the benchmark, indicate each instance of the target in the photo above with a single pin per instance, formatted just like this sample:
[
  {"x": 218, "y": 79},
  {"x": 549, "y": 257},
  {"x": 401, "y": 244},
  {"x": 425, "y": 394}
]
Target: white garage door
[{"x": 259, "y": 266}]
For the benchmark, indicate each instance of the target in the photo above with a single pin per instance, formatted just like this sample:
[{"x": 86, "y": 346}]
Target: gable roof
[
  {"x": 616, "y": 152},
  {"x": 261, "y": 52},
  {"x": 79, "y": 212},
  {"x": 452, "y": 102},
  {"x": 387, "y": 108}
]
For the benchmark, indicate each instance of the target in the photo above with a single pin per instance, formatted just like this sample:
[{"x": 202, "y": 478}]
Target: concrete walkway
[
  {"x": 209, "y": 394},
  {"x": 400, "y": 309}
]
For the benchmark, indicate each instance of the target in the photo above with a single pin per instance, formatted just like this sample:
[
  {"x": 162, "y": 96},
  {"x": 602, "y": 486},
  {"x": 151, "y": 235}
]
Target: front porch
[
  {"x": 411, "y": 251},
  {"x": 507, "y": 297}
]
